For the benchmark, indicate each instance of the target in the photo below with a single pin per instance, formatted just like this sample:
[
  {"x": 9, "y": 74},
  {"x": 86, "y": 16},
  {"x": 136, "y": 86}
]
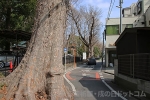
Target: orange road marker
[
  {"x": 69, "y": 77},
  {"x": 11, "y": 66},
  {"x": 97, "y": 76}
]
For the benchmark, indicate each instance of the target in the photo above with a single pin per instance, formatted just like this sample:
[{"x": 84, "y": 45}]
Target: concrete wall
[
  {"x": 130, "y": 83},
  {"x": 133, "y": 84}
]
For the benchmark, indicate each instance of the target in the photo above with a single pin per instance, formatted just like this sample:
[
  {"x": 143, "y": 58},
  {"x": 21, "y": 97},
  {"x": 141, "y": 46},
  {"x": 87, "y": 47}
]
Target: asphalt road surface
[{"x": 89, "y": 83}]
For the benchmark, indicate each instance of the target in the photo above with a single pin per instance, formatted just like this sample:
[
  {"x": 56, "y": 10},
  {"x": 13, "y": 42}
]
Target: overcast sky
[{"x": 104, "y": 6}]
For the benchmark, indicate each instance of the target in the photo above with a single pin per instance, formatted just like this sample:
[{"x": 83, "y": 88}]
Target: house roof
[
  {"x": 131, "y": 30},
  {"x": 15, "y": 34}
]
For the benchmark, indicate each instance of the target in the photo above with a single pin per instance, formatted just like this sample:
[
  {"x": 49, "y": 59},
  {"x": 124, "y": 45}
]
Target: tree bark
[{"x": 39, "y": 76}]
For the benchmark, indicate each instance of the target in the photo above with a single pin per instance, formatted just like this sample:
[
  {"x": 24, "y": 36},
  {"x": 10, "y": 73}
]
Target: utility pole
[
  {"x": 103, "y": 51},
  {"x": 120, "y": 4}
]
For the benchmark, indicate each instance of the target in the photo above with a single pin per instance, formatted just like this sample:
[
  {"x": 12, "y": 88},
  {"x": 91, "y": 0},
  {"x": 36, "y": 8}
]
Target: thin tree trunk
[{"x": 39, "y": 76}]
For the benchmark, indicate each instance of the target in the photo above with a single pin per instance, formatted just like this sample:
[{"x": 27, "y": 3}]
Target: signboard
[
  {"x": 65, "y": 50},
  {"x": 84, "y": 55}
]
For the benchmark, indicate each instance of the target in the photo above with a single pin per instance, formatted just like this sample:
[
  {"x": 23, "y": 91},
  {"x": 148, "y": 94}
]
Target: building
[
  {"x": 133, "y": 16},
  {"x": 140, "y": 10},
  {"x": 147, "y": 18},
  {"x": 133, "y": 64},
  {"x": 112, "y": 34}
]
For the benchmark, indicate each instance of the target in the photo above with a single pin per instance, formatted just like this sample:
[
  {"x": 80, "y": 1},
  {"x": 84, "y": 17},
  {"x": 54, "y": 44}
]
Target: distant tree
[
  {"x": 17, "y": 14},
  {"x": 87, "y": 23},
  {"x": 74, "y": 41},
  {"x": 96, "y": 51}
]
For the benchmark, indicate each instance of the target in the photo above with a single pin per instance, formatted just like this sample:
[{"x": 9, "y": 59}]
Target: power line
[
  {"x": 110, "y": 9},
  {"x": 109, "y": 12}
]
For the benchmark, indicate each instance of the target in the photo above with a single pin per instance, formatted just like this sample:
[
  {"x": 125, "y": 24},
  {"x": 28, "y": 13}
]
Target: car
[
  {"x": 2, "y": 64},
  {"x": 5, "y": 61},
  {"x": 91, "y": 61}
]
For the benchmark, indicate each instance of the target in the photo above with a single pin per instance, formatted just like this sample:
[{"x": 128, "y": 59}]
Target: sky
[{"x": 104, "y": 6}]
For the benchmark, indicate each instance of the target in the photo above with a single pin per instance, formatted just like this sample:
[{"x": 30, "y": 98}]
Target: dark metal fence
[
  {"x": 5, "y": 70},
  {"x": 5, "y": 61},
  {"x": 135, "y": 65},
  {"x": 70, "y": 59}
]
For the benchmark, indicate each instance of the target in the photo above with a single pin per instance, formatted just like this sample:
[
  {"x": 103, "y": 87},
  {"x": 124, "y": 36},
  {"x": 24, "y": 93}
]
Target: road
[{"x": 90, "y": 83}]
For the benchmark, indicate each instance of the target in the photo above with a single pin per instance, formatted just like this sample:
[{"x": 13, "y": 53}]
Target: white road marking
[
  {"x": 72, "y": 86},
  {"x": 83, "y": 74},
  {"x": 101, "y": 76},
  {"x": 89, "y": 68},
  {"x": 119, "y": 95}
]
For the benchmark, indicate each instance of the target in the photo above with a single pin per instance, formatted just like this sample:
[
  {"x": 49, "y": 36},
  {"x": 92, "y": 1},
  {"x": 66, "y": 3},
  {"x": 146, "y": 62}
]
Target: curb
[
  {"x": 72, "y": 86},
  {"x": 69, "y": 70},
  {"x": 108, "y": 73}
]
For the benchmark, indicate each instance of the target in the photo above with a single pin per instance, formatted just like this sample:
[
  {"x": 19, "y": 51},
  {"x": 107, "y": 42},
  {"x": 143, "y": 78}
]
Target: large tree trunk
[{"x": 39, "y": 76}]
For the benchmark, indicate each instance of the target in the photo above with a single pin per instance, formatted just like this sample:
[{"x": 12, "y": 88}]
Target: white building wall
[
  {"x": 140, "y": 21},
  {"x": 147, "y": 16},
  {"x": 125, "y": 20},
  {"x": 127, "y": 12},
  {"x": 146, "y": 4},
  {"x": 110, "y": 40}
]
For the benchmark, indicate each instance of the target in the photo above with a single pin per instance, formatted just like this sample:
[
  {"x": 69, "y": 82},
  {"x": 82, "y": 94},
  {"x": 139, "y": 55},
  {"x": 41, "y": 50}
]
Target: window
[
  {"x": 139, "y": 7},
  {"x": 143, "y": 23},
  {"x": 112, "y": 29},
  {"x": 129, "y": 25}
]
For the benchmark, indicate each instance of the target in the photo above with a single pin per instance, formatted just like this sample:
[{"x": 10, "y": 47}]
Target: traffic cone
[{"x": 11, "y": 66}]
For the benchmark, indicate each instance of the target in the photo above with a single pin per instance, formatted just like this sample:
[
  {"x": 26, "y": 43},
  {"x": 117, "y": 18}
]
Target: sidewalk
[{"x": 71, "y": 66}]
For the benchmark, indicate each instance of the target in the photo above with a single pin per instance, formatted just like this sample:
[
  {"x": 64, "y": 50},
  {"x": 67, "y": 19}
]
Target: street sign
[
  {"x": 84, "y": 55},
  {"x": 65, "y": 50}
]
